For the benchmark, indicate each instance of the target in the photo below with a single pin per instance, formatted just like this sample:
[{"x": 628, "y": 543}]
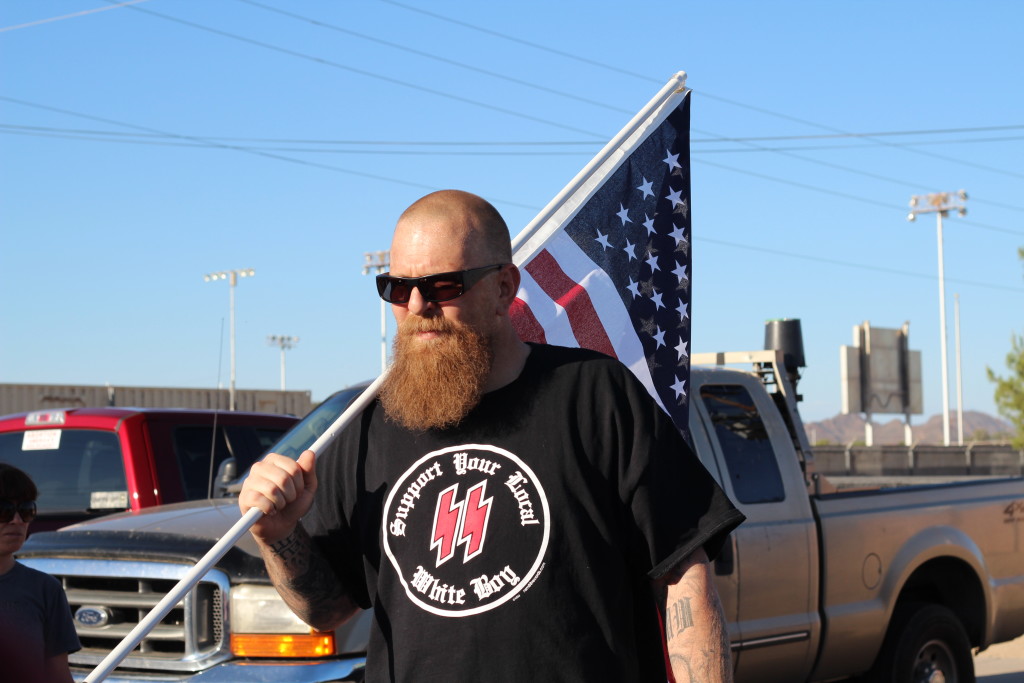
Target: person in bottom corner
[{"x": 36, "y": 628}]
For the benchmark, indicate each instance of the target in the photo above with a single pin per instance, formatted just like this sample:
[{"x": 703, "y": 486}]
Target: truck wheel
[{"x": 925, "y": 644}]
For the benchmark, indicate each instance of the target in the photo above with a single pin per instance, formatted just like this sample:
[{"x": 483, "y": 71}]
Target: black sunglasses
[
  {"x": 435, "y": 288},
  {"x": 26, "y": 509}
]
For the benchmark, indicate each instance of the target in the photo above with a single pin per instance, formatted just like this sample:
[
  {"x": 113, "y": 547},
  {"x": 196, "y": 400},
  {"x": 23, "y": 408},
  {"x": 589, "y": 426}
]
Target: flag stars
[
  {"x": 684, "y": 310},
  {"x": 649, "y": 224},
  {"x": 659, "y": 337},
  {"x": 672, "y": 160},
  {"x": 623, "y": 214},
  {"x": 652, "y": 261},
  {"x": 602, "y": 240},
  {"x": 680, "y": 272},
  {"x": 630, "y": 250},
  {"x": 647, "y": 188},
  {"x": 656, "y": 298},
  {"x": 634, "y": 288},
  {"x": 682, "y": 351},
  {"x": 679, "y": 387},
  {"x": 678, "y": 234},
  {"x": 676, "y": 197}
]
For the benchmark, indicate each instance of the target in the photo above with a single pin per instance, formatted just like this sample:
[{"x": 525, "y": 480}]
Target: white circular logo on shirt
[{"x": 466, "y": 529}]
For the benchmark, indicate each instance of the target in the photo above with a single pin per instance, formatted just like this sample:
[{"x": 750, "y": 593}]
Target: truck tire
[{"x": 925, "y": 643}]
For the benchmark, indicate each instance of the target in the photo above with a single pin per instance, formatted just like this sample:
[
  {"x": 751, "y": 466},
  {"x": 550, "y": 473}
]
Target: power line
[
  {"x": 588, "y": 143},
  {"x": 203, "y": 142},
  {"x": 836, "y": 193},
  {"x": 860, "y": 145},
  {"x": 437, "y": 58},
  {"x": 364, "y": 72},
  {"x": 69, "y": 16},
  {"x": 528, "y": 43},
  {"x": 204, "y": 145},
  {"x": 389, "y": 79},
  {"x": 703, "y": 93},
  {"x": 212, "y": 144},
  {"x": 785, "y": 152},
  {"x": 932, "y": 131},
  {"x": 238, "y": 148},
  {"x": 851, "y": 264}
]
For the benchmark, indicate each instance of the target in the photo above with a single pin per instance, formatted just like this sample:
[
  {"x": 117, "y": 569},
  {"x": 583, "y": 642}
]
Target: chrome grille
[{"x": 111, "y": 597}]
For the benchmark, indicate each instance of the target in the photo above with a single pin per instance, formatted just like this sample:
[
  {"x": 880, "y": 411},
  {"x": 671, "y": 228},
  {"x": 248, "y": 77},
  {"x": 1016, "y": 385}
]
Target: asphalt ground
[{"x": 1002, "y": 663}]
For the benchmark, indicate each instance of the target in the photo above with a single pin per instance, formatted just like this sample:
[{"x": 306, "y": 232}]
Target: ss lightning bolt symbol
[{"x": 462, "y": 522}]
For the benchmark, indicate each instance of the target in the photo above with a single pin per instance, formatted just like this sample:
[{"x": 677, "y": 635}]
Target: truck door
[
  {"x": 775, "y": 550},
  {"x": 726, "y": 578}
]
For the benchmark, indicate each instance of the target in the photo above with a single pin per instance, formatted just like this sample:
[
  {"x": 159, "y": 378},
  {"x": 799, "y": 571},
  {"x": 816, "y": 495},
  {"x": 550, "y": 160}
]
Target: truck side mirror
[{"x": 227, "y": 472}]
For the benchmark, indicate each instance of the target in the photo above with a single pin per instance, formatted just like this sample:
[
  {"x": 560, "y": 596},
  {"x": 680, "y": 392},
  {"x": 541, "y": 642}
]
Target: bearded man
[{"x": 508, "y": 511}]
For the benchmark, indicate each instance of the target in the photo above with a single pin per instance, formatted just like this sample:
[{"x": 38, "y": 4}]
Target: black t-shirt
[
  {"x": 520, "y": 545},
  {"x": 35, "y": 623}
]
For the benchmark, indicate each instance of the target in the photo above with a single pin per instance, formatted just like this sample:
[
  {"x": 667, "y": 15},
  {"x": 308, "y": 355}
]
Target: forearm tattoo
[
  {"x": 294, "y": 551},
  {"x": 310, "y": 586},
  {"x": 678, "y": 618},
  {"x": 698, "y": 641}
]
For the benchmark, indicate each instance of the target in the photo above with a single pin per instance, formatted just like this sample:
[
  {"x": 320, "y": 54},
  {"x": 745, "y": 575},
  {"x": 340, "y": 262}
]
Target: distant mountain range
[{"x": 844, "y": 429}]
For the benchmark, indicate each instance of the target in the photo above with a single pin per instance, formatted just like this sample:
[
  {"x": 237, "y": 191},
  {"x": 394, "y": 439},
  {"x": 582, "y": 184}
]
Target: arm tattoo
[
  {"x": 308, "y": 583},
  {"x": 294, "y": 551},
  {"x": 677, "y": 661},
  {"x": 678, "y": 618}
]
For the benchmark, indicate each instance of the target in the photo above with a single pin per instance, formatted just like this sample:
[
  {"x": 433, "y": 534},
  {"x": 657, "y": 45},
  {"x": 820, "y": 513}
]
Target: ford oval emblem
[{"x": 92, "y": 617}]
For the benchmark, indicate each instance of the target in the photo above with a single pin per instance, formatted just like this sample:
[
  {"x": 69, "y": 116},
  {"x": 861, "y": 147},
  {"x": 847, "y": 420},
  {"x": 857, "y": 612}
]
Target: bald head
[{"x": 464, "y": 221}]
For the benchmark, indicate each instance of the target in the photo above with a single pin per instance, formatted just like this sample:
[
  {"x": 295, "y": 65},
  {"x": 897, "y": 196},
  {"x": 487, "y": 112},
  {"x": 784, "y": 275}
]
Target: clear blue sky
[{"x": 145, "y": 145}]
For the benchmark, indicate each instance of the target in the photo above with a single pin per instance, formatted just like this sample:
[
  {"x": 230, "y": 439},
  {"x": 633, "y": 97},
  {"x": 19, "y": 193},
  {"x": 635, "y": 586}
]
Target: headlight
[{"x": 262, "y": 625}]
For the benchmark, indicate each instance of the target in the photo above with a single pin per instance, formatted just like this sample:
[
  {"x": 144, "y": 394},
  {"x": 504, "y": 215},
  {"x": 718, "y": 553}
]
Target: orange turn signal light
[{"x": 282, "y": 645}]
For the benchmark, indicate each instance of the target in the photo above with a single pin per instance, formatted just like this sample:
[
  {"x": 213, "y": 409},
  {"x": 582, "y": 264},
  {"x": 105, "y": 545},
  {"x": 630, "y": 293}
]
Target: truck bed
[{"x": 919, "y": 538}]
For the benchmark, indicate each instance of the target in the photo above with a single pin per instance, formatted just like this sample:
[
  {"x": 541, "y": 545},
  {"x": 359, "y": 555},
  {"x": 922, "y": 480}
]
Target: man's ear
[{"x": 508, "y": 284}]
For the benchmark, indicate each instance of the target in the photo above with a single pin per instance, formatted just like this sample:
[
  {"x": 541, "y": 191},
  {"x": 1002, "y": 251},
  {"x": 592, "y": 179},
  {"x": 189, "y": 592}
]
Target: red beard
[{"x": 434, "y": 383}]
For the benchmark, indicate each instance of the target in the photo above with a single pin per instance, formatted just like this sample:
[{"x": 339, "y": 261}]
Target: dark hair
[{"x": 15, "y": 485}]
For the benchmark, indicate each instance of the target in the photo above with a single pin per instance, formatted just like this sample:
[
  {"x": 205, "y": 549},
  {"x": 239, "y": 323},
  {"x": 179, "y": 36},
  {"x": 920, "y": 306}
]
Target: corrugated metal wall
[{"x": 19, "y": 398}]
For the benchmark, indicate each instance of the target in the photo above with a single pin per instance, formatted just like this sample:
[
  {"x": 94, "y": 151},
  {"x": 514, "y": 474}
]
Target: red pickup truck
[{"x": 88, "y": 462}]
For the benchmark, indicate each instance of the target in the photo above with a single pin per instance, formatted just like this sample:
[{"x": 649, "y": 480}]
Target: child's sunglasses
[{"x": 26, "y": 510}]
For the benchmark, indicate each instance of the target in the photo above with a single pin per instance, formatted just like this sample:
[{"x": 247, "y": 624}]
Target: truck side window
[
  {"x": 745, "y": 445},
  {"x": 192, "y": 446}
]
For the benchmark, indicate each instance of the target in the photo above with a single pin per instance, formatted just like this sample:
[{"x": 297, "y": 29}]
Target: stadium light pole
[
  {"x": 940, "y": 203},
  {"x": 959, "y": 372},
  {"x": 380, "y": 261},
  {"x": 284, "y": 342},
  {"x": 232, "y": 277}
]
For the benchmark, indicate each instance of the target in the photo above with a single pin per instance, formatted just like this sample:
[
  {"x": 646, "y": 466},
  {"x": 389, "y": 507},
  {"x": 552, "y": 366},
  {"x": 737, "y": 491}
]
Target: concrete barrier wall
[
  {"x": 20, "y": 398},
  {"x": 974, "y": 459}
]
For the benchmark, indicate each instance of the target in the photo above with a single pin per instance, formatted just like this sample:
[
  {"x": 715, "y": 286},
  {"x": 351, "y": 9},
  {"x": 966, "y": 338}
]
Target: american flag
[{"x": 611, "y": 269}]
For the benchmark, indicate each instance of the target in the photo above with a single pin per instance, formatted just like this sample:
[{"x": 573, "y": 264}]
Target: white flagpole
[
  {"x": 187, "y": 582},
  {"x": 523, "y": 247}
]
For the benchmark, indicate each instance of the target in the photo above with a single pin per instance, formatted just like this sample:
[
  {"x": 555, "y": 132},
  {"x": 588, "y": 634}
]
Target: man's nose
[{"x": 418, "y": 305}]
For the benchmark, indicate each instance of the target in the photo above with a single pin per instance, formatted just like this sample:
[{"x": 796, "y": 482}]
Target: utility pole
[
  {"x": 959, "y": 373},
  {"x": 232, "y": 277},
  {"x": 380, "y": 261},
  {"x": 285, "y": 343},
  {"x": 940, "y": 203}
]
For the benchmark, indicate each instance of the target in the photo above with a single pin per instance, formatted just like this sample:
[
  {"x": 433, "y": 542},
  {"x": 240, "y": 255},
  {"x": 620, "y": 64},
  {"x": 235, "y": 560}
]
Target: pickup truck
[
  {"x": 88, "y": 462},
  {"x": 822, "y": 583}
]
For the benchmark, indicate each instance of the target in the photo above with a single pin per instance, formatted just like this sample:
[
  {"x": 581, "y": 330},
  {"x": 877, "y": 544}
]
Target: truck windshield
[
  {"x": 75, "y": 470},
  {"x": 301, "y": 436}
]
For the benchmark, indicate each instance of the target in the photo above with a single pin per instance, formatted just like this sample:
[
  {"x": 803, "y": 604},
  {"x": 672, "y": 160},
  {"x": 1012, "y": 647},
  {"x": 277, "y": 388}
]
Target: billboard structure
[{"x": 880, "y": 374}]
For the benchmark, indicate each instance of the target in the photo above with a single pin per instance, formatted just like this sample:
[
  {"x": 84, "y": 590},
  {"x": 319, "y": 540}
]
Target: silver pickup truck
[{"x": 822, "y": 583}]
